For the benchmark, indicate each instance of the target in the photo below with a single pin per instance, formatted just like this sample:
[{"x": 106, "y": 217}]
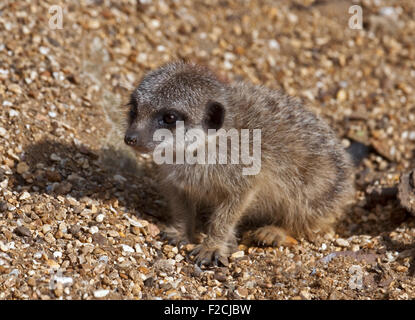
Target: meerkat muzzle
[{"x": 131, "y": 139}]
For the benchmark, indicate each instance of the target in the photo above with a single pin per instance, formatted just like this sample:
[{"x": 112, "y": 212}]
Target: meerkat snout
[
  {"x": 131, "y": 138},
  {"x": 304, "y": 180}
]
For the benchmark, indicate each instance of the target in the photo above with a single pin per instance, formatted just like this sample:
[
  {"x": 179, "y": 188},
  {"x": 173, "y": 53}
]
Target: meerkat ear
[{"x": 215, "y": 115}]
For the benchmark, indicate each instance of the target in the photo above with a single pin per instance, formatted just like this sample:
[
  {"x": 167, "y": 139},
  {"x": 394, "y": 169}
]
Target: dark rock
[
  {"x": 378, "y": 194},
  {"x": 53, "y": 176},
  {"x": 149, "y": 282},
  {"x": 197, "y": 272},
  {"x": 3, "y": 206},
  {"x": 358, "y": 151},
  {"x": 22, "y": 231},
  {"x": 406, "y": 191},
  {"x": 75, "y": 230},
  {"x": 100, "y": 239},
  {"x": 220, "y": 277},
  {"x": 63, "y": 188},
  {"x": 53, "y": 42}
]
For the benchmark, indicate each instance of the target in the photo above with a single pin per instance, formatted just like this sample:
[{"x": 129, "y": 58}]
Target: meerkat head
[{"x": 177, "y": 92}]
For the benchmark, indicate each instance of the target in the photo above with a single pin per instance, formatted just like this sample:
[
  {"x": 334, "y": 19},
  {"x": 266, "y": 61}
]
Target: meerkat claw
[
  {"x": 195, "y": 251},
  {"x": 173, "y": 238},
  {"x": 163, "y": 235},
  {"x": 207, "y": 257},
  {"x": 182, "y": 243}
]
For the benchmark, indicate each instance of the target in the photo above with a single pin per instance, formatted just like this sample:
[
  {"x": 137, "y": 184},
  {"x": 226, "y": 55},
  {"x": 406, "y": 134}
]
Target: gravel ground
[{"x": 80, "y": 214}]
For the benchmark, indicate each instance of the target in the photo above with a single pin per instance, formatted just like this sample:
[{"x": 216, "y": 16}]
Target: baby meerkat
[{"x": 304, "y": 181}]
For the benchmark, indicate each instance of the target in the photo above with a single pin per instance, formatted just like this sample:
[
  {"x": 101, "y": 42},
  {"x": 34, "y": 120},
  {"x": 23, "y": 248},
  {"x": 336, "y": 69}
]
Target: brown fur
[{"x": 305, "y": 179}]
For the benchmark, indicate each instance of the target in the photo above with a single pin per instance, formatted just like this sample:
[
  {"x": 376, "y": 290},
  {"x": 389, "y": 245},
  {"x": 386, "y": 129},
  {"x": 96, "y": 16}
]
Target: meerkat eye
[
  {"x": 169, "y": 118},
  {"x": 133, "y": 113},
  {"x": 132, "y": 109}
]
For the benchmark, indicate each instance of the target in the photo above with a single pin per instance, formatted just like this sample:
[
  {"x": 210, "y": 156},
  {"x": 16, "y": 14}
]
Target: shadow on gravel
[
  {"x": 380, "y": 212},
  {"x": 353, "y": 224},
  {"x": 106, "y": 175},
  {"x": 378, "y": 215},
  {"x": 404, "y": 250},
  {"x": 110, "y": 174}
]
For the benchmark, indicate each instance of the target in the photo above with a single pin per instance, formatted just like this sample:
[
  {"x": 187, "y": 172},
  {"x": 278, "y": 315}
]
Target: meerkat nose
[{"x": 130, "y": 139}]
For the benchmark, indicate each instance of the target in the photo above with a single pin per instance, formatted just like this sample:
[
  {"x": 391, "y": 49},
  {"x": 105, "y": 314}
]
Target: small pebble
[
  {"x": 101, "y": 293},
  {"x": 238, "y": 254},
  {"x": 242, "y": 292},
  {"x": 342, "y": 242},
  {"x": 13, "y": 113},
  {"x": 22, "y": 167},
  {"x": 55, "y": 157},
  {"x": 93, "y": 229},
  {"x": 3, "y": 132},
  {"x": 46, "y": 228},
  {"x": 305, "y": 295},
  {"x": 24, "y": 196},
  {"x": 127, "y": 248}
]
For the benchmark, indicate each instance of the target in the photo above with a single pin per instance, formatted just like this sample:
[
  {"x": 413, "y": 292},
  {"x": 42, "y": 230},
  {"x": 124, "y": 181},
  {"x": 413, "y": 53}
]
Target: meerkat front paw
[
  {"x": 209, "y": 256},
  {"x": 174, "y": 236}
]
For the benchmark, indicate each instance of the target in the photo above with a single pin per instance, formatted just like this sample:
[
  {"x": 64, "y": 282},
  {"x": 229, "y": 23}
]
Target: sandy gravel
[{"x": 80, "y": 214}]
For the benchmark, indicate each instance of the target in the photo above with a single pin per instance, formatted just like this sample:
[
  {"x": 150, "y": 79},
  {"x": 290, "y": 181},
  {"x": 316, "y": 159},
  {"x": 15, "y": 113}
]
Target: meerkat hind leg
[{"x": 271, "y": 235}]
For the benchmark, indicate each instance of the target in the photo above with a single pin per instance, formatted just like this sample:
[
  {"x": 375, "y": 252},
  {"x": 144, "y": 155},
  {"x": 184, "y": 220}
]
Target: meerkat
[{"x": 302, "y": 187}]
